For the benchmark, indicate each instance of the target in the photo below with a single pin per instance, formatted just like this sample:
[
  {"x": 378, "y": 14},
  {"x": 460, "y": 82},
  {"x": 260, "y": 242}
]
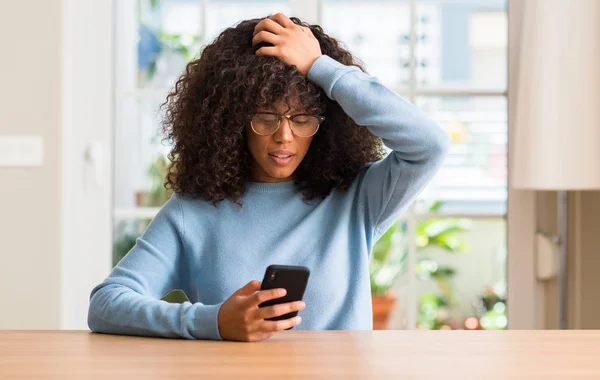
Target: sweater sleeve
[
  {"x": 128, "y": 301},
  {"x": 418, "y": 144}
]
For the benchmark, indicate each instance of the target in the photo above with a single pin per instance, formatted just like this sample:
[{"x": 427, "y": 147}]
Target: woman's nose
[{"x": 284, "y": 133}]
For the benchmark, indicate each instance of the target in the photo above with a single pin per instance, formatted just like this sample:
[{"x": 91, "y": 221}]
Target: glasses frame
[{"x": 289, "y": 118}]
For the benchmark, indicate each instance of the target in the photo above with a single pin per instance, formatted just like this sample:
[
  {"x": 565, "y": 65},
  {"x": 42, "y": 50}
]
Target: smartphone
[{"x": 291, "y": 278}]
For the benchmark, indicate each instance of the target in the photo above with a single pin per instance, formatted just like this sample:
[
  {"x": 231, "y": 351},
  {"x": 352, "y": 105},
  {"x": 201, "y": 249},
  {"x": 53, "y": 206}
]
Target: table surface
[{"x": 305, "y": 355}]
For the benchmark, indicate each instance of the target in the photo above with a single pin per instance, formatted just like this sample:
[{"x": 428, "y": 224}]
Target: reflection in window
[
  {"x": 462, "y": 43},
  {"x": 460, "y": 47},
  {"x": 377, "y": 33},
  {"x": 473, "y": 177}
]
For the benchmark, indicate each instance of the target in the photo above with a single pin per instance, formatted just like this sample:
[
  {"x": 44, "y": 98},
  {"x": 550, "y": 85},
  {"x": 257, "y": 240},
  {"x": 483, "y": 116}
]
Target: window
[
  {"x": 449, "y": 58},
  {"x": 377, "y": 32},
  {"x": 446, "y": 56}
]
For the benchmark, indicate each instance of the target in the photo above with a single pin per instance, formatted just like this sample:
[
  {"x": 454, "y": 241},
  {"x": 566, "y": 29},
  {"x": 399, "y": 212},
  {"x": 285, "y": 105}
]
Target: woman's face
[{"x": 276, "y": 156}]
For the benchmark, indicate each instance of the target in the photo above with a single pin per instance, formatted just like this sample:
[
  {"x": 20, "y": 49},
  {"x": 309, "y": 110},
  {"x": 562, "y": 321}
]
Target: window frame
[{"x": 518, "y": 204}]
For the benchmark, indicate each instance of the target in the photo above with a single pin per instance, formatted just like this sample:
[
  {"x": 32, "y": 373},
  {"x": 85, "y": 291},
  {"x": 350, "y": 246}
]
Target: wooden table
[{"x": 305, "y": 355}]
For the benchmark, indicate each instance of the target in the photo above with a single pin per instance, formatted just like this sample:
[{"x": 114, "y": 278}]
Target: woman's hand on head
[
  {"x": 292, "y": 43},
  {"x": 241, "y": 319}
]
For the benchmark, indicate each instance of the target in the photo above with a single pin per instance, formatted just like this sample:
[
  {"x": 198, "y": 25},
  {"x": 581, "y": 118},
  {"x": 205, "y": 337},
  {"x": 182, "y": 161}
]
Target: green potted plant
[
  {"x": 157, "y": 195},
  {"x": 435, "y": 308},
  {"x": 389, "y": 256},
  {"x": 387, "y": 262}
]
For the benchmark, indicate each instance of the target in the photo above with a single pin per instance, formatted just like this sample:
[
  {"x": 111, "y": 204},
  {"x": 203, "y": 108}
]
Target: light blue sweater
[{"x": 211, "y": 252}]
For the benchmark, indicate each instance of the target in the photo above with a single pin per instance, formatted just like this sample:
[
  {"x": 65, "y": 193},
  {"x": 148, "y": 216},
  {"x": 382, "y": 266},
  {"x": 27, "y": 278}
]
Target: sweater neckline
[{"x": 271, "y": 187}]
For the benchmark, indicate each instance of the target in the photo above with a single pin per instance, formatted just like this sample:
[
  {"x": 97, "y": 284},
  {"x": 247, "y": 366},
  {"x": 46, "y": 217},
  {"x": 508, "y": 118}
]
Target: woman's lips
[{"x": 281, "y": 159}]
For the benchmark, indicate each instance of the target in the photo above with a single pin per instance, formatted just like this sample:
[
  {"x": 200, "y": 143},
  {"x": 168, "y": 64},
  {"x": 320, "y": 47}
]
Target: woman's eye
[
  {"x": 267, "y": 118},
  {"x": 301, "y": 119}
]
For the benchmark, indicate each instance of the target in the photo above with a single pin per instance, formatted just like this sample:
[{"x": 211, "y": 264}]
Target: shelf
[
  {"x": 434, "y": 91},
  {"x": 441, "y": 91},
  {"x": 465, "y": 215},
  {"x": 150, "y": 212},
  {"x": 135, "y": 213},
  {"x": 145, "y": 93}
]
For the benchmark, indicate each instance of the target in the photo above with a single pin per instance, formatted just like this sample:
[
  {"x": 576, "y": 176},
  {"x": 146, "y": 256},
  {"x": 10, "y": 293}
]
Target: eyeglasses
[{"x": 267, "y": 123}]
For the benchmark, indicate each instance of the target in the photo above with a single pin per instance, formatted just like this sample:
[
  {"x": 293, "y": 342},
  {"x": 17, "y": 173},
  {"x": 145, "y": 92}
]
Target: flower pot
[
  {"x": 140, "y": 198},
  {"x": 382, "y": 308}
]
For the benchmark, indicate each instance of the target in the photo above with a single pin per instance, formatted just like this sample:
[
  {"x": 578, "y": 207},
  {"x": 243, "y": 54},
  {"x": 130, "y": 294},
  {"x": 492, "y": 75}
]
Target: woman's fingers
[
  {"x": 293, "y": 44},
  {"x": 282, "y": 20},
  {"x": 308, "y": 31},
  {"x": 248, "y": 289},
  {"x": 265, "y": 295},
  {"x": 268, "y": 25},
  {"x": 265, "y": 36},
  {"x": 276, "y": 326},
  {"x": 280, "y": 309},
  {"x": 269, "y": 51}
]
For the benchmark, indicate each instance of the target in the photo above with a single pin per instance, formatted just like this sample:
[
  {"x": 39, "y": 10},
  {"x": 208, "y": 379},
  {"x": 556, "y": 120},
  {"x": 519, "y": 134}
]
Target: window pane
[
  {"x": 168, "y": 37},
  {"x": 138, "y": 151},
  {"x": 377, "y": 32},
  {"x": 473, "y": 177},
  {"x": 222, "y": 14},
  {"x": 462, "y": 43},
  {"x": 125, "y": 232},
  {"x": 156, "y": 39},
  {"x": 461, "y": 275},
  {"x": 388, "y": 268}
]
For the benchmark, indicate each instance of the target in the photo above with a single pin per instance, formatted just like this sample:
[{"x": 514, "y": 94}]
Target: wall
[
  {"x": 585, "y": 278},
  {"x": 537, "y": 306},
  {"x": 547, "y": 222},
  {"x": 525, "y": 294},
  {"x": 583, "y": 261},
  {"x": 30, "y": 198},
  {"x": 88, "y": 37}
]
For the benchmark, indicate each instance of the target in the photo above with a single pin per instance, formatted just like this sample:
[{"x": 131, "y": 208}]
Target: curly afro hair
[{"x": 215, "y": 98}]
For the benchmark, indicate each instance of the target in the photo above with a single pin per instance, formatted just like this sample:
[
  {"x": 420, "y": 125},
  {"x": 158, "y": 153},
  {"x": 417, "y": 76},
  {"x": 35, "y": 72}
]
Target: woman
[{"x": 276, "y": 160}]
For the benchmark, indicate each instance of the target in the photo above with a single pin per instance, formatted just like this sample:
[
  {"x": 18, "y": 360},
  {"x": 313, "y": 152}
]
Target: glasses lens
[
  {"x": 305, "y": 125},
  {"x": 265, "y": 123}
]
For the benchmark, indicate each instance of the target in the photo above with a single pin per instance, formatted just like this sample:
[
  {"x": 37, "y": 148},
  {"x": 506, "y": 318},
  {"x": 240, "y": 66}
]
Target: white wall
[
  {"x": 56, "y": 78},
  {"x": 30, "y": 198},
  {"x": 525, "y": 294},
  {"x": 87, "y": 154}
]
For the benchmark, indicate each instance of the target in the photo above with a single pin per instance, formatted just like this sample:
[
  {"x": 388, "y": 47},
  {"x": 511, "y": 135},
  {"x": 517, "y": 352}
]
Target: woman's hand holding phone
[{"x": 241, "y": 319}]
